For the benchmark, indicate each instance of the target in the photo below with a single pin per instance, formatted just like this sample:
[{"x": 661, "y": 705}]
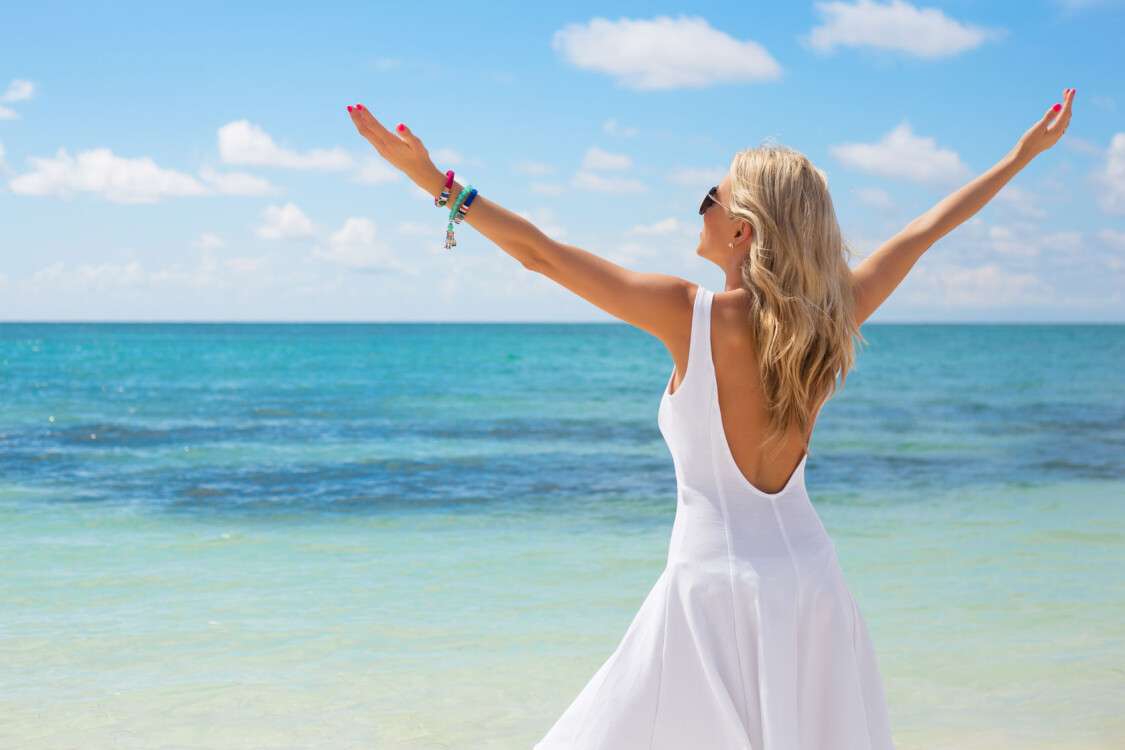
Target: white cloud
[
  {"x": 986, "y": 285},
  {"x": 209, "y": 241},
  {"x": 898, "y": 26},
  {"x": 236, "y": 183},
  {"x": 663, "y": 53},
  {"x": 355, "y": 246},
  {"x": 17, "y": 91},
  {"x": 613, "y": 128},
  {"x": 128, "y": 275},
  {"x": 698, "y": 177},
  {"x": 664, "y": 227},
  {"x": 284, "y": 222},
  {"x": 533, "y": 168},
  {"x": 100, "y": 171},
  {"x": 242, "y": 142},
  {"x": 903, "y": 154},
  {"x": 596, "y": 158},
  {"x": 383, "y": 64},
  {"x": 1111, "y": 177},
  {"x": 3, "y": 164},
  {"x": 599, "y": 183}
]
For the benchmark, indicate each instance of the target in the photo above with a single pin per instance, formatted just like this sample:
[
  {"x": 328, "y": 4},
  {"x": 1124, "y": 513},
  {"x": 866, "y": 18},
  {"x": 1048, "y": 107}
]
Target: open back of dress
[{"x": 750, "y": 638}]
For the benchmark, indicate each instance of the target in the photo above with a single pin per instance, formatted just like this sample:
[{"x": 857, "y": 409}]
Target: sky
[{"x": 198, "y": 162}]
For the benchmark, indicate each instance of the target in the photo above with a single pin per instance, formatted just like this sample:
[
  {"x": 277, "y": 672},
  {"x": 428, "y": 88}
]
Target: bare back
[{"x": 741, "y": 401}]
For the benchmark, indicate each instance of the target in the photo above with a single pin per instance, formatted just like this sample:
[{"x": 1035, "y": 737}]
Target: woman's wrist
[{"x": 433, "y": 181}]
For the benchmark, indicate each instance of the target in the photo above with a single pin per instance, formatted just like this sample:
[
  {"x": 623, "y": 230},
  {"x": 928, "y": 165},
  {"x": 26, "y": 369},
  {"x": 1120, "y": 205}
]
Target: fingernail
[
  {"x": 1057, "y": 107},
  {"x": 401, "y": 127},
  {"x": 359, "y": 106},
  {"x": 349, "y": 108}
]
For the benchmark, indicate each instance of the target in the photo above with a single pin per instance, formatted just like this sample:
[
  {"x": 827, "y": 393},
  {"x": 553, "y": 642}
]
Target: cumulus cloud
[
  {"x": 897, "y": 26},
  {"x": 984, "y": 286},
  {"x": 596, "y": 158},
  {"x": 663, "y": 53},
  {"x": 236, "y": 183},
  {"x": 355, "y": 246},
  {"x": 242, "y": 142},
  {"x": 284, "y": 222},
  {"x": 18, "y": 90},
  {"x": 133, "y": 275},
  {"x": 1111, "y": 177},
  {"x": 901, "y": 153},
  {"x": 122, "y": 179},
  {"x": 116, "y": 178}
]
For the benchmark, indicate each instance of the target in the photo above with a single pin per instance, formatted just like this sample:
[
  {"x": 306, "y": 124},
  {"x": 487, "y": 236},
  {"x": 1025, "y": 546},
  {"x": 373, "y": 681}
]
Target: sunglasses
[{"x": 710, "y": 200}]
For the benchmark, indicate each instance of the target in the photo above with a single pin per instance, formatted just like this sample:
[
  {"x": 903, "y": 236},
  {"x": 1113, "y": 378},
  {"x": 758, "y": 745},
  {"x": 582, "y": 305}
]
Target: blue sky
[{"x": 198, "y": 163}]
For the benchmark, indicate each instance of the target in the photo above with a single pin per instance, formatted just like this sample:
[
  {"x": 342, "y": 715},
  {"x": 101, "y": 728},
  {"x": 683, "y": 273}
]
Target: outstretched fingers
[{"x": 369, "y": 127}]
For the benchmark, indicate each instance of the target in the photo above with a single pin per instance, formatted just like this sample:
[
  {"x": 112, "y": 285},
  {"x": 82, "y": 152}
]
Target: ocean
[{"x": 429, "y": 536}]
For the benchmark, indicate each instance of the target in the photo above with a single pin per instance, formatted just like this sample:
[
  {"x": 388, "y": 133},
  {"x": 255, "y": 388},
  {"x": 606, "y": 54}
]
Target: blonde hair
[{"x": 796, "y": 270}]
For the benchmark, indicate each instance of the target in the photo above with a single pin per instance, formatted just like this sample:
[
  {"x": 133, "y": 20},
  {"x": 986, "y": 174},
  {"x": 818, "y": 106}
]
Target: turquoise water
[{"x": 430, "y": 536}]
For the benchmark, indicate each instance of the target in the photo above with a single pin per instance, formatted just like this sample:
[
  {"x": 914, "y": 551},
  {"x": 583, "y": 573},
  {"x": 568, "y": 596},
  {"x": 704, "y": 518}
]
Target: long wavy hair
[{"x": 796, "y": 270}]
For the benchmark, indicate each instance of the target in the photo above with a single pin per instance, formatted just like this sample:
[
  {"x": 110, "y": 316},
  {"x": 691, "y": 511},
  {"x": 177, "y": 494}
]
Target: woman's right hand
[{"x": 1046, "y": 133}]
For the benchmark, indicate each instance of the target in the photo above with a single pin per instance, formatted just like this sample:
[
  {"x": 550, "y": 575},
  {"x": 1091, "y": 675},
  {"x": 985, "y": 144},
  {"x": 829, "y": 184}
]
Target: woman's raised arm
[{"x": 882, "y": 271}]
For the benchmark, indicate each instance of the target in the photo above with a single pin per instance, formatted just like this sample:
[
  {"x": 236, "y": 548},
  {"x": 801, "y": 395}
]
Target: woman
[{"x": 750, "y": 638}]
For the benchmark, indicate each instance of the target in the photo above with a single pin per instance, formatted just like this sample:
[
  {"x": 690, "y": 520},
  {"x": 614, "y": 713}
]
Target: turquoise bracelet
[{"x": 450, "y": 241}]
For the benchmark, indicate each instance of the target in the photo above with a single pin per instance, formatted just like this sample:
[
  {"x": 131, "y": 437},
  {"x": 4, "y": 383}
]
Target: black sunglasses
[{"x": 710, "y": 200}]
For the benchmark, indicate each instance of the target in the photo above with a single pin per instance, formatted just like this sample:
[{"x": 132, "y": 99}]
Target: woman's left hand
[{"x": 403, "y": 150}]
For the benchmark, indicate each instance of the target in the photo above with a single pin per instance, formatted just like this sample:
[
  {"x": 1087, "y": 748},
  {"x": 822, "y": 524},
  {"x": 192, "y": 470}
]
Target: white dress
[{"x": 750, "y": 638}]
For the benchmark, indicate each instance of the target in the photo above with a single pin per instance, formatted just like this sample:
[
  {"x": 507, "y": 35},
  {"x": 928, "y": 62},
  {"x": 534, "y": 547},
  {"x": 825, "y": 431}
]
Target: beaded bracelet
[
  {"x": 450, "y": 242},
  {"x": 442, "y": 199},
  {"x": 464, "y": 207}
]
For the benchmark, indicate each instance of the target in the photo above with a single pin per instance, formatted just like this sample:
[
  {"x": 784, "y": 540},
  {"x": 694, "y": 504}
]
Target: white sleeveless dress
[{"x": 750, "y": 638}]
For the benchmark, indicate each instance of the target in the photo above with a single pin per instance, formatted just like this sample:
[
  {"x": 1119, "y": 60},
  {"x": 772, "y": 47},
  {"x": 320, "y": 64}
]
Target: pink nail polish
[
  {"x": 1057, "y": 107},
  {"x": 349, "y": 108},
  {"x": 401, "y": 127},
  {"x": 359, "y": 106}
]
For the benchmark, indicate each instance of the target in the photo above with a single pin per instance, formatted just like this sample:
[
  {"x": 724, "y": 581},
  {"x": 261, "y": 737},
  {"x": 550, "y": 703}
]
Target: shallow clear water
[{"x": 430, "y": 536}]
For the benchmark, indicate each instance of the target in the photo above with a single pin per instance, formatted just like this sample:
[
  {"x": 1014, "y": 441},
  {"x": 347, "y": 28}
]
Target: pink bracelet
[{"x": 442, "y": 199}]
